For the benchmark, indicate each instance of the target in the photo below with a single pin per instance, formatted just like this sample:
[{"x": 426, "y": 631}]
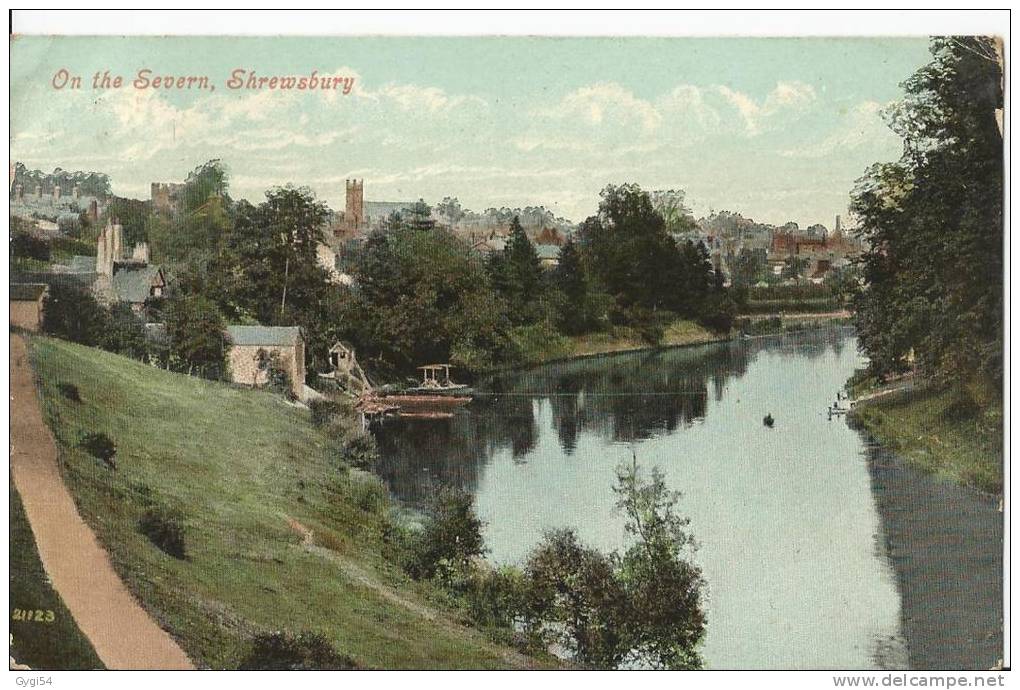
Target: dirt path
[{"x": 122, "y": 633}]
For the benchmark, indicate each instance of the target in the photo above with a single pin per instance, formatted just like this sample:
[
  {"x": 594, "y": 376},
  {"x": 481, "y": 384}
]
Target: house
[
  {"x": 252, "y": 346},
  {"x": 27, "y": 305},
  {"x": 125, "y": 279},
  {"x": 548, "y": 255}
]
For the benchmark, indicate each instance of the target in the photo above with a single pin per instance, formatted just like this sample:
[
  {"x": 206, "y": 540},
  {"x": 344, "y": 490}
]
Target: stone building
[
  {"x": 120, "y": 278},
  {"x": 166, "y": 196},
  {"x": 27, "y": 305},
  {"x": 252, "y": 347}
]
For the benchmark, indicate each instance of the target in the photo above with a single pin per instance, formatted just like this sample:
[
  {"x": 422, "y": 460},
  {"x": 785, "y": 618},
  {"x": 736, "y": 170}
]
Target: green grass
[
  {"x": 679, "y": 332},
  {"x": 54, "y": 645},
  {"x": 950, "y": 432},
  {"x": 237, "y": 463}
]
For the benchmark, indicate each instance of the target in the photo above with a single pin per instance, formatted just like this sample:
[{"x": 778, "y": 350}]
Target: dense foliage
[{"x": 933, "y": 274}]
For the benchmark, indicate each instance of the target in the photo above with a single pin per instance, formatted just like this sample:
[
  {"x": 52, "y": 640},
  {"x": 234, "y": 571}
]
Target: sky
[{"x": 776, "y": 129}]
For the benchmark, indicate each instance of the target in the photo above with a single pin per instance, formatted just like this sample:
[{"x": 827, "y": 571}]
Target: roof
[
  {"x": 81, "y": 281},
  {"x": 27, "y": 292},
  {"x": 547, "y": 251},
  {"x": 264, "y": 335},
  {"x": 133, "y": 283},
  {"x": 82, "y": 264}
]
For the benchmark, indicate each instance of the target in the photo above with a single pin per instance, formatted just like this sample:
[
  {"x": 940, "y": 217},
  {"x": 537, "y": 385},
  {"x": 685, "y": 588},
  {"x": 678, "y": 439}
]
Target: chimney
[
  {"x": 94, "y": 210},
  {"x": 101, "y": 253},
  {"x": 141, "y": 253},
  {"x": 117, "y": 241},
  {"x": 76, "y": 191}
]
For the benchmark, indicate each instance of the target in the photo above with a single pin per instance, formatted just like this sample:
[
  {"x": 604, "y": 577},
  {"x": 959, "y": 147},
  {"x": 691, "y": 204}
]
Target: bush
[
  {"x": 69, "y": 391},
  {"x": 353, "y": 448},
  {"x": 99, "y": 446},
  {"x": 323, "y": 411},
  {"x": 165, "y": 529},
  {"x": 284, "y": 651},
  {"x": 74, "y": 314},
  {"x": 452, "y": 536},
  {"x": 367, "y": 492}
]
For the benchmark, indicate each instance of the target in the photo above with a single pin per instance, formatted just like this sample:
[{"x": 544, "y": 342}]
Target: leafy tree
[
  {"x": 450, "y": 209},
  {"x": 198, "y": 342},
  {"x": 125, "y": 332},
  {"x": 665, "y": 619},
  {"x": 132, "y": 214},
  {"x": 671, "y": 205},
  {"x": 933, "y": 221},
  {"x": 452, "y": 536},
  {"x": 794, "y": 267},
  {"x": 74, "y": 314},
  {"x": 423, "y": 296},
  {"x": 24, "y": 245},
  {"x": 576, "y": 600}
]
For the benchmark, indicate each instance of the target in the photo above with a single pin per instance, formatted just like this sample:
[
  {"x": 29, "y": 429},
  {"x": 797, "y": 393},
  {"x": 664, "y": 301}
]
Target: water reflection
[{"x": 620, "y": 399}]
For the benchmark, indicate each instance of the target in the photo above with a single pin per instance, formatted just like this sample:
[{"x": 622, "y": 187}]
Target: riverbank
[
  {"x": 955, "y": 433},
  {"x": 680, "y": 333},
  {"x": 240, "y": 467}
]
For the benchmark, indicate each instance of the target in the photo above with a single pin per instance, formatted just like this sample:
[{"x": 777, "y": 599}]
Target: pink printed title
[{"x": 239, "y": 80}]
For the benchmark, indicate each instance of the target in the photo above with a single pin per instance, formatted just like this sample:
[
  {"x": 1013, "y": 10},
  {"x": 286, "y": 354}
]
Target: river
[{"x": 820, "y": 549}]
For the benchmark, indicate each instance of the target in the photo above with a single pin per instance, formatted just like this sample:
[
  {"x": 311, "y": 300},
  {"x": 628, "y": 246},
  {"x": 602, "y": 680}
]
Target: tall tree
[
  {"x": 933, "y": 221},
  {"x": 516, "y": 274}
]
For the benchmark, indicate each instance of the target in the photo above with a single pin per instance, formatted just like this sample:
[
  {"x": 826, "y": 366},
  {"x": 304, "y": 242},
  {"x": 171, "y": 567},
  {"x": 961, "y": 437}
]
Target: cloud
[
  {"x": 785, "y": 98},
  {"x": 862, "y": 126},
  {"x": 604, "y": 103}
]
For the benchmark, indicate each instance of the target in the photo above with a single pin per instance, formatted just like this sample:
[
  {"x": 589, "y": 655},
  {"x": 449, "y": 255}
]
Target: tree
[
  {"x": 671, "y": 205},
  {"x": 582, "y": 307},
  {"x": 450, "y": 209},
  {"x": 198, "y": 341},
  {"x": 125, "y": 332},
  {"x": 933, "y": 222},
  {"x": 575, "y": 600},
  {"x": 516, "y": 274},
  {"x": 74, "y": 314},
  {"x": 451, "y": 537},
  {"x": 665, "y": 619},
  {"x": 423, "y": 296}
]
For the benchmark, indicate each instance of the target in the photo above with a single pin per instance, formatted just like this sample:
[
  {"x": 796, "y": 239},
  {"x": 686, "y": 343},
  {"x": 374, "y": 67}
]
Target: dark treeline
[
  {"x": 933, "y": 289},
  {"x": 419, "y": 293}
]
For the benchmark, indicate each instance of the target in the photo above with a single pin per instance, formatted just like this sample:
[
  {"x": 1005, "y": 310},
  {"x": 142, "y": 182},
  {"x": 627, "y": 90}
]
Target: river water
[{"x": 819, "y": 548}]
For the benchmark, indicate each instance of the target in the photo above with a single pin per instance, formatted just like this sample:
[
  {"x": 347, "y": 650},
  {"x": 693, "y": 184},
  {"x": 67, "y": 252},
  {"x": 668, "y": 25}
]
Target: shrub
[
  {"x": 284, "y": 651},
  {"x": 99, "y": 446},
  {"x": 367, "y": 492},
  {"x": 451, "y": 537},
  {"x": 69, "y": 391},
  {"x": 165, "y": 529},
  {"x": 323, "y": 411},
  {"x": 353, "y": 447}
]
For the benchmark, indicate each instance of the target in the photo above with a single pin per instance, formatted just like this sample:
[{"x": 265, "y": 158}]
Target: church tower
[{"x": 354, "y": 214}]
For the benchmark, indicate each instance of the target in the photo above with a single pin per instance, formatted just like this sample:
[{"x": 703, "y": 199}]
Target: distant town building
[{"x": 167, "y": 196}]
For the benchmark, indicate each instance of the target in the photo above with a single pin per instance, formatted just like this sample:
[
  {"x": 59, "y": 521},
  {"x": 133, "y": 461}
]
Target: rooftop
[
  {"x": 27, "y": 292},
  {"x": 280, "y": 336}
]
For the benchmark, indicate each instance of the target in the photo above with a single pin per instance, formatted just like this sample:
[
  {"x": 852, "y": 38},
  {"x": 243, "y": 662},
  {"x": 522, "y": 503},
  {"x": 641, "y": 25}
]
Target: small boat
[
  {"x": 768, "y": 421},
  {"x": 436, "y": 397},
  {"x": 436, "y": 381}
]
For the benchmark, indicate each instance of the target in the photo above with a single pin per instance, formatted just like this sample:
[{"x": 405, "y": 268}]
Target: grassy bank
[
  {"x": 47, "y": 638},
  {"x": 551, "y": 349},
  {"x": 953, "y": 432},
  {"x": 242, "y": 467}
]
